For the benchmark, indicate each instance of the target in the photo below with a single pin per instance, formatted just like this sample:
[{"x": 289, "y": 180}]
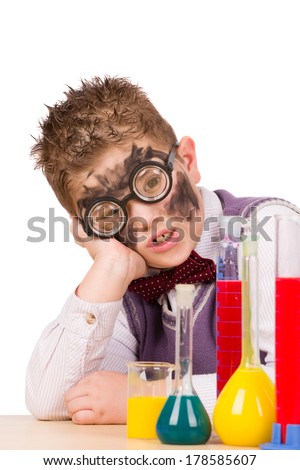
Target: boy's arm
[
  {"x": 73, "y": 346},
  {"x": 91, "y": 401},
  {"x": 69, "y": 349}
]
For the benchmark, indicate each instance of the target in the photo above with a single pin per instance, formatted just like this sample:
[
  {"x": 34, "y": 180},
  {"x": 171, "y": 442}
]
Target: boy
[{"x": 131, "y": 189}]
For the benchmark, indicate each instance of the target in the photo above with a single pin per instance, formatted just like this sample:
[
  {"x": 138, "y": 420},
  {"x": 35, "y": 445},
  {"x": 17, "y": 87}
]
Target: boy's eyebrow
[
  {"x": 90, "y": 189},
  {"x": 129, "y": 164}
]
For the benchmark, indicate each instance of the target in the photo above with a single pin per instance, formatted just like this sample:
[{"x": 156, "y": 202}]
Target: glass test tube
[
  {"x": 286, "y": 430},
  {"x": 228, "y": 302}
]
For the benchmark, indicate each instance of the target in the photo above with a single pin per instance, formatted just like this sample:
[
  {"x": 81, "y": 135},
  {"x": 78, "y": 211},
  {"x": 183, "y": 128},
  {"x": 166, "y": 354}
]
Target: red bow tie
[{"x": 195, "y": 269}]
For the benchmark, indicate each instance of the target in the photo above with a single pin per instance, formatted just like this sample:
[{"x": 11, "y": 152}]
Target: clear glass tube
[
  {"x": 184, "y": 340},
  {"x": 287, "y": 303},
  {"x": 250, "y": 347},
  {"x": 286, "y": 429}
]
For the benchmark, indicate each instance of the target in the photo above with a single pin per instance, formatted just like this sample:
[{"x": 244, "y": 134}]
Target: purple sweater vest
[{"x": 155, "y": 329}]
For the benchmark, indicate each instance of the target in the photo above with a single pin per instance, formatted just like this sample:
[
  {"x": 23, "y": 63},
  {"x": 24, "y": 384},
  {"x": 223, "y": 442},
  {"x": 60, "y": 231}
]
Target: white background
[{"x": 226, "y": 73}]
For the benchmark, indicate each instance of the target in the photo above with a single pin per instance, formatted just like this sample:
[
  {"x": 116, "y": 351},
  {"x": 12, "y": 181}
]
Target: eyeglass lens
[
  {"x": 151, "y": 182},
  {"x": 106, "y": 218}
]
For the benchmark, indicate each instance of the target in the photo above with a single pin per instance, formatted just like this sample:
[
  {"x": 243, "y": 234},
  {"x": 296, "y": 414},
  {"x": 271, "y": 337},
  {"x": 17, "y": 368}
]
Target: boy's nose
[{"x": 144, "y": 213}]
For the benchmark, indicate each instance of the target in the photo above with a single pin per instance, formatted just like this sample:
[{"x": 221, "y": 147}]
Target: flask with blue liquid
[{"x": 183, "y": 419}]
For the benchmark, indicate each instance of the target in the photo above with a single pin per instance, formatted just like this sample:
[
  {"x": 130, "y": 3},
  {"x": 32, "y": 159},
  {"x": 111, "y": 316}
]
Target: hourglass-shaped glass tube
[
  {"x": 245, "y": 408},
  {"x": 183, "y": 419}
]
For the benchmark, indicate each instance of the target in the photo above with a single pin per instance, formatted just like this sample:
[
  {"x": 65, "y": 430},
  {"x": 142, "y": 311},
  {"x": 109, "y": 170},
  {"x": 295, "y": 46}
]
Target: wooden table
[{"x": 26, "y": 432}]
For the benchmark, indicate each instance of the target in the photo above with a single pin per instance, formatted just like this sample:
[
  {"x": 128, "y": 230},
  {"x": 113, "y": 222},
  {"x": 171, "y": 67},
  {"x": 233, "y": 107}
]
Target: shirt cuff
[{"x": 89, "y": 319}]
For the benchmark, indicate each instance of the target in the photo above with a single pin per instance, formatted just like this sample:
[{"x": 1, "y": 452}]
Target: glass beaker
[
  {"x": 149, "y": 385},
  {"x": 183, "y": 419},
  {"x": 245, "y": 409}
]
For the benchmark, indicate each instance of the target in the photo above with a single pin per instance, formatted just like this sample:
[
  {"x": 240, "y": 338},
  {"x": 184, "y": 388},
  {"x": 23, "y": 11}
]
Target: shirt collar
[{"x": 208, "y": 244}]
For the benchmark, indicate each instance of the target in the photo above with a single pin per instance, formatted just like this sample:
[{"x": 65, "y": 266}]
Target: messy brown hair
[{"x": 101, "y": 114}]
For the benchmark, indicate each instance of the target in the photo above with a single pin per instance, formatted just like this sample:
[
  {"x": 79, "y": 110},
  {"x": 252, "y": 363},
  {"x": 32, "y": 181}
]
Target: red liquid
[
  {"x": 287, "y": 352},
  {"x": 229, "y": 329}
]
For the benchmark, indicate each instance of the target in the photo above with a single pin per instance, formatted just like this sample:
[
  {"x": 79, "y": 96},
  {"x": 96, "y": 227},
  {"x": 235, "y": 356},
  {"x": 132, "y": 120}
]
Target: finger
[
  {"x": 79, "y": 391},
  {"x": 78, "y": 404},
  {"x": 83, "y": 386},
  {"x": 90, "y": 379},
  {"x": 84, "y": 417}
]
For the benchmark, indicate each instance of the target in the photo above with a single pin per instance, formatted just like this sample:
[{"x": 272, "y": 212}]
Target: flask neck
[
  {"x": 250, "y": 348},
  {"x": 184, "y": 345}
]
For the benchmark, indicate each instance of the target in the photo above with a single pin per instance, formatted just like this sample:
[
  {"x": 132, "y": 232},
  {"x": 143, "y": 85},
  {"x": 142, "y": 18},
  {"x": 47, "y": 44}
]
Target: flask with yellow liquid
[{"x": 245, "y": 408}]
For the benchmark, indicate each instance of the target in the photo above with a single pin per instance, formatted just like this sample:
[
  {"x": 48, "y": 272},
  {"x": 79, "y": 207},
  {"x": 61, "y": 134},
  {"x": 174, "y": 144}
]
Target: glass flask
[
  {"x": 183, "y": 419},
  {"x": 245, "y": 408}
]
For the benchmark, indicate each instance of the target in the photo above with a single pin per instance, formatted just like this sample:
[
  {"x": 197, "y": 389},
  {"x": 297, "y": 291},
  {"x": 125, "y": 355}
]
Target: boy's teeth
[{"x": 162, "y": 238}]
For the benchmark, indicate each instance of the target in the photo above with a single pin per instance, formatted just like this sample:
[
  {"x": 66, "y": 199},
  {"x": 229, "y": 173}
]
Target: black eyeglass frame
[{"x": 167, "y": 168}]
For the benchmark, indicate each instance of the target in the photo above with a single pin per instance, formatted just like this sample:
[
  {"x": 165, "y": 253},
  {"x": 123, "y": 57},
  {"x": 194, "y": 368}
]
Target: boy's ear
[{"x": 187, "y": 152}]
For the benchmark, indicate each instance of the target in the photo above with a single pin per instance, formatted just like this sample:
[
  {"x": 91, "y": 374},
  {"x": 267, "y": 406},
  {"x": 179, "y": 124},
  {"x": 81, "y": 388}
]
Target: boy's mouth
[{"x": 162, "y": 238}]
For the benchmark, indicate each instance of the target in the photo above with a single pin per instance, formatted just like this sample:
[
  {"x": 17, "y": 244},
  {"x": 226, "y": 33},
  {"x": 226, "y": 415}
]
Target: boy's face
[{"x": 165, "y": 232}]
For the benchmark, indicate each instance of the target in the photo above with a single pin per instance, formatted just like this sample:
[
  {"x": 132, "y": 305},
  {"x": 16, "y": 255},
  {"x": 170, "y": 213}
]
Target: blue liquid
[{"x": 183, "y": 420}]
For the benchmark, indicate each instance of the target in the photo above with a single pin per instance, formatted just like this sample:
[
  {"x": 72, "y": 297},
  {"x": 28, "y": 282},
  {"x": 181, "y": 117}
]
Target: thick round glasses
[{"x": 149, "y": 182}]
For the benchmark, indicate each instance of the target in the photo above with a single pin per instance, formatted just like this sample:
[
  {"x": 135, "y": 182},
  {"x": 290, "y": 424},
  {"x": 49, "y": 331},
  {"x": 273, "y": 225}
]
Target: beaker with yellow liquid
[{"x": 245, "y": 408}]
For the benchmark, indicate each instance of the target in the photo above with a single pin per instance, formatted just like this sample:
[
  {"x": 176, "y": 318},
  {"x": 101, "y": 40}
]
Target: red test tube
[
  {"x": 286, "y": 430},
  {"x": 228, "y": 304},
  {"x": 287, "y": 352},
  {"x": 229, "y": 329}
]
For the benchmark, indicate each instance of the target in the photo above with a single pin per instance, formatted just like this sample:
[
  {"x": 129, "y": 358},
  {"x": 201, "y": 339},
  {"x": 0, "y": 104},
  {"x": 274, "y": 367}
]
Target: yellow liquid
[
  {"x": 245, "y": 409},
  {"x": 142, "y": 415}
]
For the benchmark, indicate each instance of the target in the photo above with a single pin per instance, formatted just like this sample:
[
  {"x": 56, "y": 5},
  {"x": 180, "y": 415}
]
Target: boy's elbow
[
  {"x": 45, "y": 411},
  {"x": 47, "y": 414}
]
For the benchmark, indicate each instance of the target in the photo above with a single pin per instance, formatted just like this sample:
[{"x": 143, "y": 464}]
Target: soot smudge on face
[
  {"x": 133, "y": 233},
  {"x": 183, "y": 199},
  {"x": 116, "y": 180}
]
